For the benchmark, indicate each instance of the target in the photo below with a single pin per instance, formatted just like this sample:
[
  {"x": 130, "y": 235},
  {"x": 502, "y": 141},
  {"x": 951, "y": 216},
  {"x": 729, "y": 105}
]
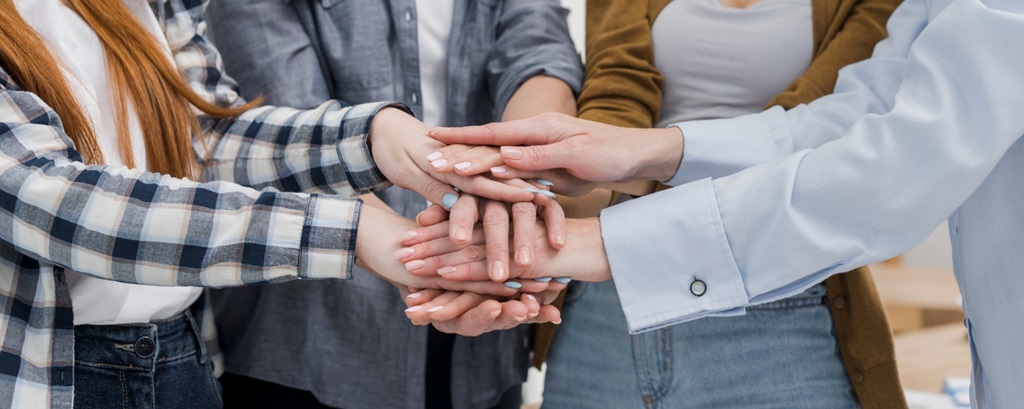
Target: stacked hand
[{"x": 474, "y": 281}]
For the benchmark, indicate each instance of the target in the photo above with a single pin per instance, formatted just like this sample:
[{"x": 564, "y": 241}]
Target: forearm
[{"x": 538, "y": 95}]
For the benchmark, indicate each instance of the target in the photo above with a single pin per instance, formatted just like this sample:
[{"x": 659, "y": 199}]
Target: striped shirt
[{"x": 59, "y": 214}]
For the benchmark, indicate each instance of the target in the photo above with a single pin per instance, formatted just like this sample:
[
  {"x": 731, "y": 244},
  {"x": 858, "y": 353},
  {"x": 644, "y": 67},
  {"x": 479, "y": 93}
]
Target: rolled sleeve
[
  {"x": 655, "y": 286},
  {"x": 533, "y": 39},
  {"x": 329, "y": 238}
]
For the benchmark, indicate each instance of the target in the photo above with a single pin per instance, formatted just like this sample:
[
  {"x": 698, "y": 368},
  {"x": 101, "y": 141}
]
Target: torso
[{"x": 721, "y": 62}]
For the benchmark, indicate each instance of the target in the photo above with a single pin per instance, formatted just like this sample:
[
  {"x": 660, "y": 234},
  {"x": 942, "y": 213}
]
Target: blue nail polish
[
  {"x": 563, "y": 280},
  {"x": 542, "y": 279},
  {"x": 545, "y": 182},
  {"x": 449, "y": 200},
  {"x": 513, "y": 285},
  {"x": 531, "y": 190},
  {"x": 547, "y": 193}
]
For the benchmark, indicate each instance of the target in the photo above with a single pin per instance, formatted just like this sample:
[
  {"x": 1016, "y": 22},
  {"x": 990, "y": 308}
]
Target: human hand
[
  {"x": 582, "y": 258},
  {"x": 467, "y": 160},
  {"x": 376, "y": 248},
  {"x": 587, "y": 151},
  {"x": 459, "y": 230},
  {"x": 399, "y": 145},
  {"x": 471, "y": 314}
]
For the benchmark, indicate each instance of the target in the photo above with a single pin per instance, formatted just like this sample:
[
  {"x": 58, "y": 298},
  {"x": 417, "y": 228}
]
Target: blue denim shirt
[{"x": 349, "y": 342}]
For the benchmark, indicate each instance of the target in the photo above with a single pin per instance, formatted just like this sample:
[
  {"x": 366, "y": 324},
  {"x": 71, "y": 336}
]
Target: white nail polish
[
  {"x": 435, "y": 309},
  {"x": 414, "y": 296},
  {"x": 463, "y": 165},
  {"x": 439, "y": 163},
  {"x": 414, "y": 309},
  {"x": 435, "y": 156}
]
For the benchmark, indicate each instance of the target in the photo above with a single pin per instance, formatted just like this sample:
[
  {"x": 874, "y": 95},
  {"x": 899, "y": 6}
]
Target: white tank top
[{"x": 721, "y": 62}]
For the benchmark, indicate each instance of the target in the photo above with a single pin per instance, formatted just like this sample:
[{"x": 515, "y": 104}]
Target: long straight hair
[{"x": 141, "y": 77}]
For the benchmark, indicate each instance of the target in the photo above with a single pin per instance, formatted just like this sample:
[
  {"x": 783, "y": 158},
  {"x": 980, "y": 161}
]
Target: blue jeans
[
  {"x": 144, "y": 366},
  {"x": 779, "y": 355}
]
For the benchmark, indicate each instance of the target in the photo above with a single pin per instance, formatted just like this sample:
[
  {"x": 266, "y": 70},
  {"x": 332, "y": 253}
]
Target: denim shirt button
[
  {"x": 415, "y": 98},
  {"x": 145, "y": 347},
  {"x": 408, "y": 15},
  {"x": 698, "y": 287}
]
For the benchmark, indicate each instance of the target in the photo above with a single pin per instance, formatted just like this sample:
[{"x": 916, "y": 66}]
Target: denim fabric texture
[
  {"x": 144, "y": 366},
  {"x": 780, "y": 355},
  {"x": 348, "y": 342}
]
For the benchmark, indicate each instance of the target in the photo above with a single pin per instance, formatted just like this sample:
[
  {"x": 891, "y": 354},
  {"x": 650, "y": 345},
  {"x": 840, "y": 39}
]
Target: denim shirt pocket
[{"x": 354, "y": 39}]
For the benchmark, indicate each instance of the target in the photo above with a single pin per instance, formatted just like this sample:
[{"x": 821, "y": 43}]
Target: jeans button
[{"x": 145, "y": 347}]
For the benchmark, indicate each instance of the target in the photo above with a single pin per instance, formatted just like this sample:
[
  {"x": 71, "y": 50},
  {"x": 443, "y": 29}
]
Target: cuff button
[{"x": 698, "y": 287}]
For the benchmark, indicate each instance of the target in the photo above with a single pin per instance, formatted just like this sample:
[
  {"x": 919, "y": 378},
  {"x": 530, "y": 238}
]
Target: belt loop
[{"x": 198, "y": 334}]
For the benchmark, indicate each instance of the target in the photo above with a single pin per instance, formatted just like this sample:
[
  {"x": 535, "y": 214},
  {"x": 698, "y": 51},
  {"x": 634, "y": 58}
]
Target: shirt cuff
[
  {"x": 328, "y": 248},
  {"x": 354, "y": 150},
  {"x": 659, "y": 246},
  {"x": 720, "y": 147}
]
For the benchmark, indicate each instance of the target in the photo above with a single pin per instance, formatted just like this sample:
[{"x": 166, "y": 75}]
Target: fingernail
[
  {"x": 494, "y": 314},
  {"x": 414, "y": 296},
  {"x": 448, "y": 200},
  {"x": 415, "y": 265},
  {"x": 409, "y": 235},
  {"x": 532, "y": 314},
  {"x": 563, "y": 280},
  {"x": 445, "y": 270},
  {"x": 547, "y": 193},
  {"x": 545, "y": 182},
  {"x": 531, "y": 297},
  {"x": 542, "y": 279},
  {"x": 511, "y": 153},
  {"x": 556, "y": 321},
  {"x": 521, "y": 318},
  {"x": 414, "y": 309},
  {"x": 531, "y": 190},
  {"x": 513, "y": 285},
  {"x": 404, "y": 252},
  {"x": 460, "y": 234},
  {"x": 560, "y": 239},
  {"x": 499, "y": 169},
  {"x": 439, "y": 163},
  {"x": 463, "y": 165},
  {"x": 525, "y": 256},
  {"x": 498, "y": 271},
  {"x": 435, "y": 156},
  {"x": 435, "y": 309}
]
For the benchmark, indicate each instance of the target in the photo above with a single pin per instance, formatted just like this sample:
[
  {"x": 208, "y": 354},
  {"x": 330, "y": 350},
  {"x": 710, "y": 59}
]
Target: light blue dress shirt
[{"x": 927, "y": 129}]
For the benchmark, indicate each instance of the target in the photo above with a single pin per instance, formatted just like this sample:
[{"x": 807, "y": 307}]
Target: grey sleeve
[
  {"x": 268, "y": 51},
  {"x": 532, "y": 39}
]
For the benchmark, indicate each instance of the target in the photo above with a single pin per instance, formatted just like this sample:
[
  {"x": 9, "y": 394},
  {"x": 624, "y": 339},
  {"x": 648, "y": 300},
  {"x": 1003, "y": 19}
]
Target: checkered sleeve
[
  {"x": 320, "y": 150},
  {"x": 137, "y": 227}
]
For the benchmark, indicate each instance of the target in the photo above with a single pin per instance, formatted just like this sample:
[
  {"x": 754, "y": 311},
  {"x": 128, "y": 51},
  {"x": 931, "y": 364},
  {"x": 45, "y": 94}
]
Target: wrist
[
  {"x": 662, "y": 152},
  {"x": 585, "y": 241}
]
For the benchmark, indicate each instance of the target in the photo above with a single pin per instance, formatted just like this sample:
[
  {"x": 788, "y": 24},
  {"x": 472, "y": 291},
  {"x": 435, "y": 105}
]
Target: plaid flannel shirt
[{"x": 58, "y": 214}]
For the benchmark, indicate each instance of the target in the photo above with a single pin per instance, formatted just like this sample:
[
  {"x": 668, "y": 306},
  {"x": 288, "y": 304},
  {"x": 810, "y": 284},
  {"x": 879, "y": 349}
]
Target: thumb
[
  {"x": 539, "y": 157},
  {"x": 433, "y": 190}
]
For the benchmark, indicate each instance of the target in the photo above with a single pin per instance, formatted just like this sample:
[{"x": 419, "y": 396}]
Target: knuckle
[
  {"x": 524, "y": 209},
  {"x": 473, "y": 252},
  {"x": 534, "y": 154},
  {"x": 435, "y": 189}
]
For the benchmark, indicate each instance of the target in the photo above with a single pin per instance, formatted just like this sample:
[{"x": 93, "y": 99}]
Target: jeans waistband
[{"x": 139, "y": 347}]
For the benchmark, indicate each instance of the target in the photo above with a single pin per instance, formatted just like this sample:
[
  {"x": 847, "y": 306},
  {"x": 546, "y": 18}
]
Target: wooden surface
[{"x": 925, "y": 357}]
